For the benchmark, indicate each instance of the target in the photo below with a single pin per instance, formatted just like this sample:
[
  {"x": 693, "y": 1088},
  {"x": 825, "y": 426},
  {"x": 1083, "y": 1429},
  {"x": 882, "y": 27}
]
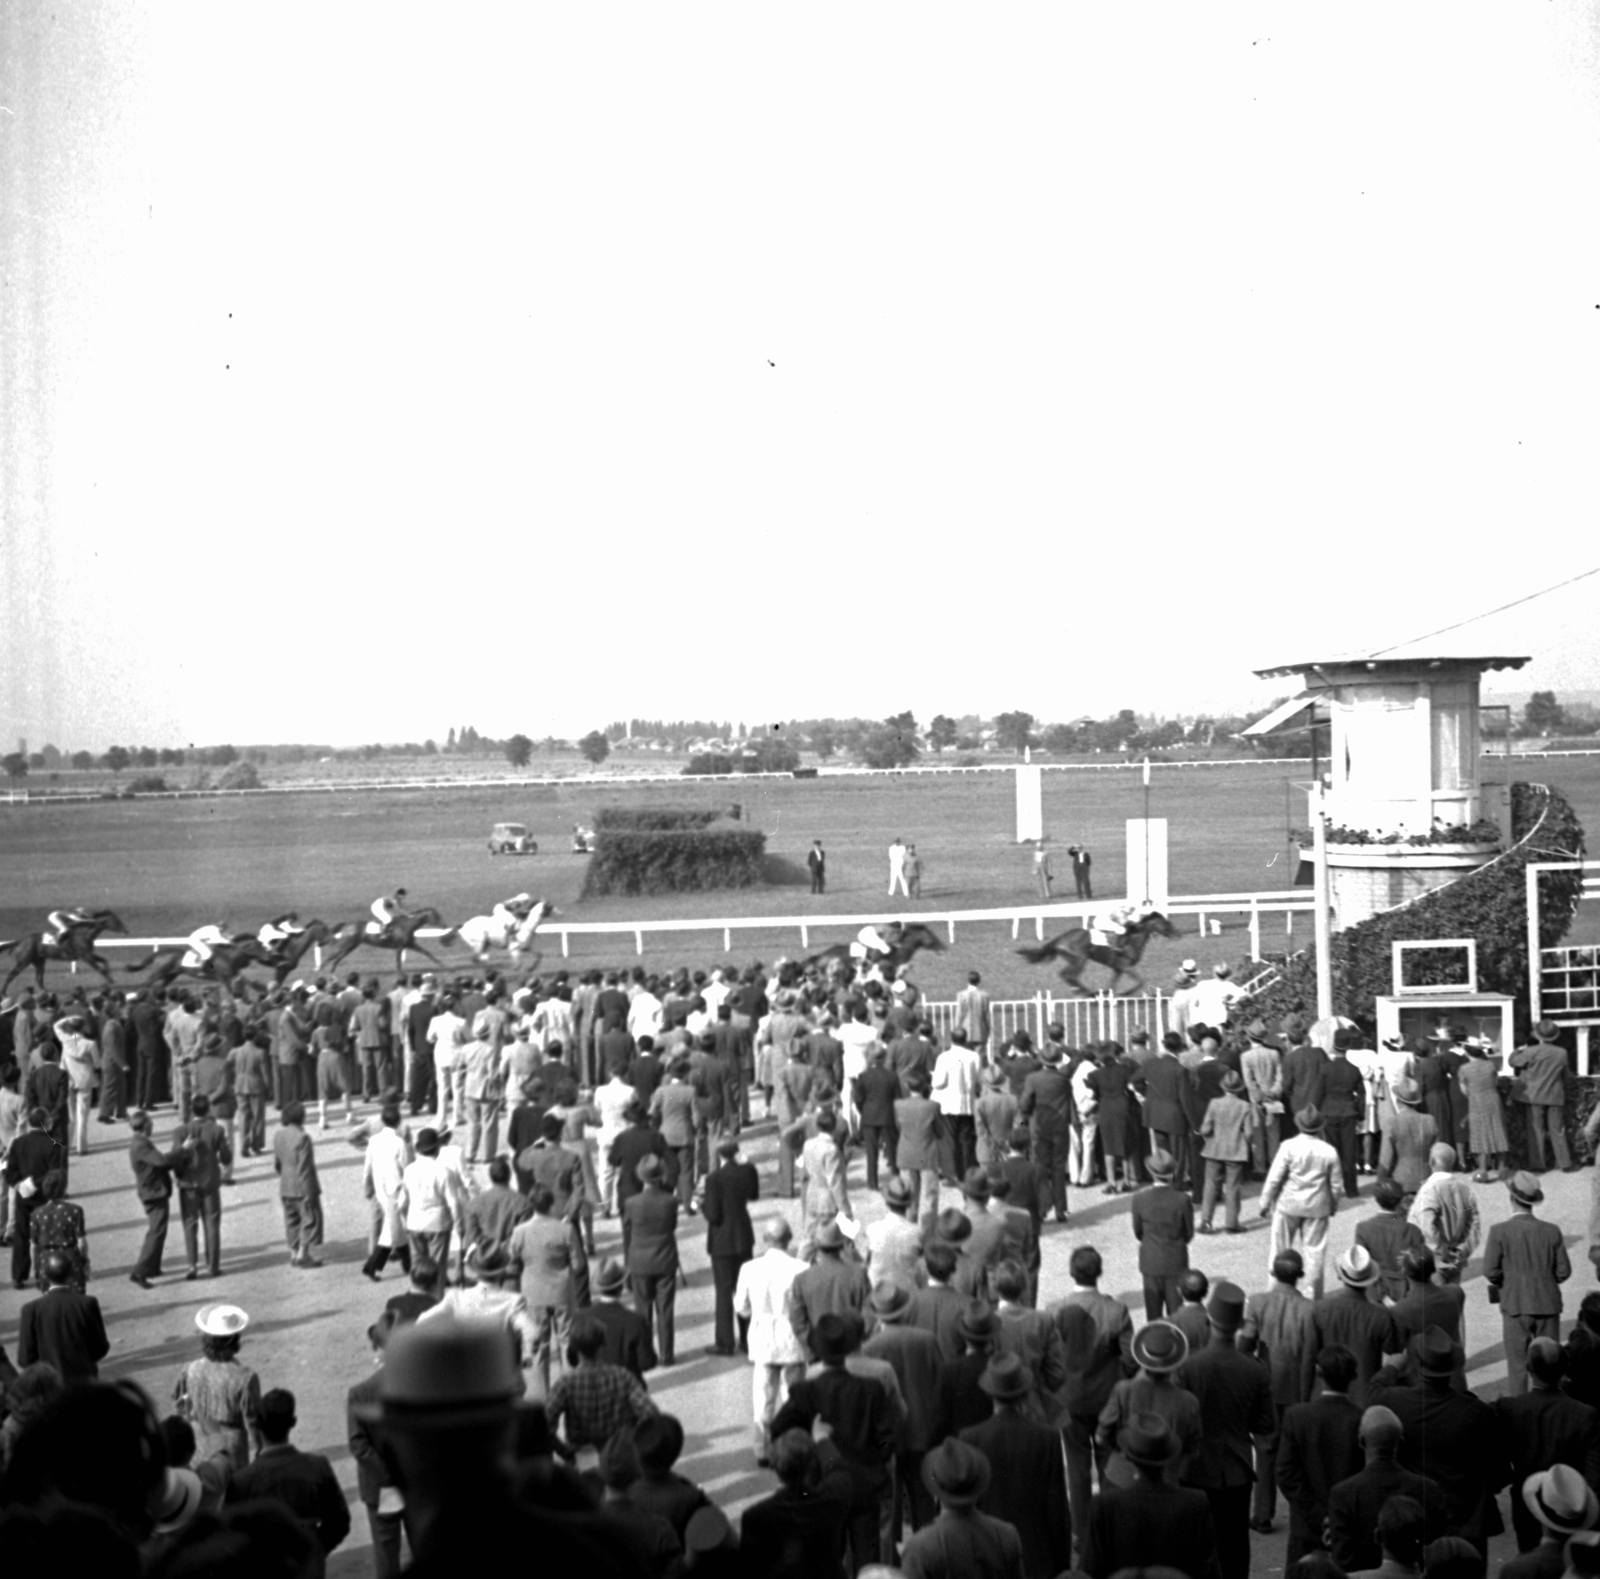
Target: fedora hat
[
  {"x": 975, "y": 1184},
  {"x": 221, "y": 1321},
  {"x": 1225, "y": 1308},
  {"x": 1232, "y": 1081},
  {"x": 889, "y": 1300},
  {"x": 488, "y": 1263},
  {"x": 1408, "y": 1091},
  {"x": 955, "y": 1472},
  {"x": 181, "y": 1495},
  {"x": 1525, "y": 1188},
  {"x": 1309, "y": 1119},
  {"x": 978, "y": 1323},
  {"x": 1160, "y": 1347},
  {"x": 648, "y": 1169},
  {"x": 1436, "y": 1352},
  {"x": 830, "y": 1337},
  {"x": 992, "y": 1076},
  {"x": 1560, "y": 1499},
  {"x": 1356, "y": 1268},
  {"x": 896, "y": 1192},
  {"x": 611, "y": 1278},
  {"x": 953, "y": 1226},
  {"x": 830, "y": 1236},
  {"x": 445, "y": 1373},
  {"x": 1050, "y": 1052},
  {"x": 1006, "y": 1378},
  {"x": 1347, "y": 1038},
  {"x": 1394, "y": 1044},
  {"x": 1160, "y": 1164},
  {"x": 1148, "y": 1439}
]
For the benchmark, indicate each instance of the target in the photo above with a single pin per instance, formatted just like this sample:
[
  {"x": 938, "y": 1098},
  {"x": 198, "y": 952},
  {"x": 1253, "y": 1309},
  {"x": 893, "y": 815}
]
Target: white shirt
[
  {"x": 858, "y": 1039},
  {"x": 427, "y": 1188},
  {"x": 763, "y": 1295},
  {"x": 715, "y": 993},
  {"x": 444, "y": 1031},
  {"x": 386, "y": 1158},
  {"x": 1304, "y": 1180},
  {"x": 611, "y": 1102},
  {"x": 1211, "y": 1002},
  {"x": 955, "y": 1080},
  {"x": 644, "y": 1016}
]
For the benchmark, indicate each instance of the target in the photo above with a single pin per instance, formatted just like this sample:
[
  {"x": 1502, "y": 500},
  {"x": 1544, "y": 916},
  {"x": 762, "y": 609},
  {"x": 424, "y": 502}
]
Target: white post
[
  {"x": 1323, "y": 929},
  {"x": 1255, "y": 932},
  {"x": 1016, "y": 922},
  {"x": 950, "y": 930},
  {"x": 1535, "y": 972},
  {"x": 566, "y": 944},
  {"x": 805, "y": 937},
  {"x": 727, "y": 940},
  {"x": 1038, "y": 926},
  {"x": 1038, "y": 1004},
  {"x": 638, "y": 941}
]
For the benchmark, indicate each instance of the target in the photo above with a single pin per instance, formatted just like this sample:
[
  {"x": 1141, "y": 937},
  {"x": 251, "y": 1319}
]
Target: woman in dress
[
  {"x": 1431, "y": 1068},
  {"x": 217, "y": 1395},
  {"x": 58, "y": 1225},
  {"x": 1486, "y": 1119},
  {"x": 1109, "y": 1083},
  {"x": 823, "y": 1158}
]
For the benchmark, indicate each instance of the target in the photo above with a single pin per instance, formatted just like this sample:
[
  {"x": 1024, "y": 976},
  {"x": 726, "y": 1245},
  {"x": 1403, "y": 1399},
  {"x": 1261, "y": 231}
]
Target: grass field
[{"x": 168, "y": 866}]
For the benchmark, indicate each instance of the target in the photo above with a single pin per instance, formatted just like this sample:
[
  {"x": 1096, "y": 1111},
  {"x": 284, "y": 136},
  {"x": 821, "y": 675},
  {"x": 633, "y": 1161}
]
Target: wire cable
[{"x": 1472, "y": 619}]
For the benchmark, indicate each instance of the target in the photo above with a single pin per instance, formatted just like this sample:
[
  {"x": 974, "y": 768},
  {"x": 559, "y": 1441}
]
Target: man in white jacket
[
  {"x": 762, "y": 1297},
  {"x": 1303, "y": 1186}
]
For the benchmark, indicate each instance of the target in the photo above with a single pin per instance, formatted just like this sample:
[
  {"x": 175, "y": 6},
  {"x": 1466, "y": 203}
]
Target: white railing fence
[{"x": 1101, "y": 1018}]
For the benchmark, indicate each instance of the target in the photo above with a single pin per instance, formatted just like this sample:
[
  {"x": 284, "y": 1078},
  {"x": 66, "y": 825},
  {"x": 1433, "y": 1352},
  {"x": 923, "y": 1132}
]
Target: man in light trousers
[{"x": 1303, "y": 1187}]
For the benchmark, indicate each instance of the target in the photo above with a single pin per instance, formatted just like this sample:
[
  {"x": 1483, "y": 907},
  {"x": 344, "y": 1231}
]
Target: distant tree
[
  {"x": 1112, "y": 734},
  {"x": 1159, "y": 737},
  {"x": 36, "y": 761},
  {"x": 82, "y": 761},
  {"x": 595, "y": 746},
  {"x": 942, "y": 731},
  {"x": 240, "y": 776},
  {"x": 550, "y": 744},
  {"x": 222, "y": 756},
  {"x": 430, "y": 748},
  {"x": 1583, "y": 718},
  {"x": 171, "y": 757},
  {"x": 968, "y": 743},
  {"x": 824, "y": 742},
  {"x": 1543, "y": 715},
  {"x": 15, "y": 764},
  {"x": 450, "y": 741},
  {"x": 772, "y": 754},
  {"x": 519, "y": 751},
  {"x": 147, "y": 756},
  {"x": 52, "y": 756},
  {"x": 1060, "y": 739},
  {"x": 1014, "y": 731},
  {"x": 116, "y": 758},
  {"x": 888, "y": 747}
]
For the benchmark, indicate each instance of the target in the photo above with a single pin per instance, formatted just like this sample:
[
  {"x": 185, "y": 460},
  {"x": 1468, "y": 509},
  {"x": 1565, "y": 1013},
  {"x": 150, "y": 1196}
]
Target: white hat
[
  {"x": 1189, "y": 968},
  {"x": 221, "y": 1321},
  {"x": 180, "y": 1500},
  {"x": 1356, "y": 1268}
]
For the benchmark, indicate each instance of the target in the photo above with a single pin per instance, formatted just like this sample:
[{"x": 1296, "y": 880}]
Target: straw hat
[{"x": 221, "y": 1321}]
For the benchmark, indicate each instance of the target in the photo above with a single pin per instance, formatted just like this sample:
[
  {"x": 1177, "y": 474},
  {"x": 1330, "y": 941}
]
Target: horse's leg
[
  {"x": 418, "y": 948},
  {"x": 103, "y": 965}
]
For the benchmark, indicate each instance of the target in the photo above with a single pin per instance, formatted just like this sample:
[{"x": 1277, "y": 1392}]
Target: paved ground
[{"x": 307, "y": 1328}]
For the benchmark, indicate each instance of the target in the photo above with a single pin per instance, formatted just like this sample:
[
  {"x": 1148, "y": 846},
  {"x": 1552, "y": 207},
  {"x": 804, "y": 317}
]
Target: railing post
[
  {"x": 1038, "y": 1003},
  {"x": 1038, "y": 926},
  {"x": 805, "y": 936},
  {"x": 638, "y": 940},
  {"x": 1016, "y": 922},
  {"x": 566, "y": 943},
  {"x": 1255, "y": 932},
  {"x": 727, "y": 940},
  {"x": 950, "y": 929}
]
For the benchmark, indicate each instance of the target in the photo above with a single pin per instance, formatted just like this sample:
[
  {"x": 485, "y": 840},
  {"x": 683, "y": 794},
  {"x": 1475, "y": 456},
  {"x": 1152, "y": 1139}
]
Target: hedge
[
  {"x": 1488, "y": 904},
  {"x": 652, "y": 819},
  {"x": 683, "y": 860}
]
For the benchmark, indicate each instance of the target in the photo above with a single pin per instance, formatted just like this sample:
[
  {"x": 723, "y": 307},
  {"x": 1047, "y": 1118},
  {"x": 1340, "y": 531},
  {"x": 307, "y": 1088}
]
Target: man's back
[
  {"x": 304, "y": 1483},
  {"x": 1235, "y": 1401},
  {"x": 1355, "y": 1502},
  {"x": 1452, "y": 1438},
  {"x": 967, "y": 1545},
  {"x": 1544, "y": 1427},
  {"x": 65, "y": 1329},
  {"x": 798, "y": 1535},
  {"x": 1531, "y": 1258},
  {"x": 1149, "y": 1526},
  {"x": 652, "y": 1216},
  {"x": 919, "y": 1368},
  {"x": 628, "y": 1341}
]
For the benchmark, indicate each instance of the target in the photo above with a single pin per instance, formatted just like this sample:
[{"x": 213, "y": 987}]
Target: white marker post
[
  {"x": 1147, "y": 860},
  {"x": 1030, "y": 803}
]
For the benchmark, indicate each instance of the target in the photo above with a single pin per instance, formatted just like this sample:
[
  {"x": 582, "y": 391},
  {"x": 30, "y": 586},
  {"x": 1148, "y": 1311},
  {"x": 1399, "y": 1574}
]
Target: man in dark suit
[
  {"x": 62, "y": 1326},
  {"x": 1163, "y": 1223},
  {"x": 373, "y": 1475},
  {"x": 877, "y": 1089},
  {"x": 152, "y": 1179},
  {"x": 1351, "y": 1319},
  {"x": 627, "y": 1334},
  {"x": 1026, "y": 1488},
  {"x": 1046, "y": 1108},
  {"x": 1169, "y": 1106},
  {"x": 914, "y": 1354},
  {"x": 1278, "y": 1331},
  {"x": 1355, "y": 1502},
  {"x": 1343, "y": 1100},
  {"x": 1236, "y": 1413},
  {"x": 829, "y": 1286},
  {"x": 303, "y": 1482},
  {"x": 1543, "y": 1427},
  {"x": 652, "y": 1256},
  {"x": 799, "y": 1531},
  {"x": 628, "y": 1150},
  {"x": 1426, "y": 1303},
  {"x": 32, "y": 1155},
  {"x": 916, "y": 1153},
  {"x": 1319, "y": 1444},
  {"x": 1152, "y": 1523},
  {"x": 860, "y": 1416},
  {"x": 817, "y": 865},
  {"x": 1525, "y": 1262},
  {"x": 1451, "y": 1437},
  {"x": 1305, "y": 1070},
  {"x": 730, "y": 1239}
]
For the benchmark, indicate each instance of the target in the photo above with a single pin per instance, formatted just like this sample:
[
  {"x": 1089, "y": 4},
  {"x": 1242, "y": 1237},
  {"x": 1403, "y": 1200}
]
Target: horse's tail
[
  {"x": 449, "y": 935},
  {"x": 1037, "y": 956},
  {"x": 6, "y": 948},
  {"x": 142, "y": 965}
]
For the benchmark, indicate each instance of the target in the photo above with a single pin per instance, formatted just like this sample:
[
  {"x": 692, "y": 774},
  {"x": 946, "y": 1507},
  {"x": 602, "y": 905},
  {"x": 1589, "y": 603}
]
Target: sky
[{"x": 369, "y": 370}]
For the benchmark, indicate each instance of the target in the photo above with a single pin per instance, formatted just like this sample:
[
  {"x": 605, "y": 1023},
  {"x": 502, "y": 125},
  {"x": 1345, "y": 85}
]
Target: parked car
[{"x": 511, "y": 838}]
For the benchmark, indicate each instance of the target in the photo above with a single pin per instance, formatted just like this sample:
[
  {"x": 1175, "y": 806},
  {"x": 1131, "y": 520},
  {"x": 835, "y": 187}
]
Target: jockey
[
  {"x": 59, "y": 921},
  {"x": 386, "y": 910},
  {"x": 201, "y": 942},
  {"x": 280, "y": 929},
  {"x": 509, "y": 914},
  {"x": 870, "y": 944},
  {"x": 1113, "y": 924}
]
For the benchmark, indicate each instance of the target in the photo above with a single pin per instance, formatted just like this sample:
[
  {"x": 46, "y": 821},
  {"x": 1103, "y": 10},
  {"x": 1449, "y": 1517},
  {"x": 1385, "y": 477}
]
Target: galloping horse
[
  {"x": 1075, "y": 948},
  {"x": 36, "y": 949},
  {"x": 399, "y": 937},
  {"x": 905, "y": 939},
  {"x": 229, "y": 959},
  {"x": 482, "y": 933}
]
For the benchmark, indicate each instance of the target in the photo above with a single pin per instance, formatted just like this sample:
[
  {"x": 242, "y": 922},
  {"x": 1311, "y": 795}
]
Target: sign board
[
  {"x": 1030, "y": 804},
  {"x": 1147, "y": 860}
]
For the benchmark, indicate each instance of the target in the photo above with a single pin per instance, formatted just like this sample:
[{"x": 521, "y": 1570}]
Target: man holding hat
[
  {"x": 1027, "y": 1490},
  {"x": 1163, "y": 1222},
  {"x": 1152, "y": 1522},
  {"x": 730, "y": 1190},
  {"x": 1525, "y": 1262},
  {"x": 1236, "y": 1413},
  {"x": 1543, "y": 1067},
  {"x": 961, "y": 1542},
  {"x": 1302, "y": 1188},
  {"x": 763, "y": 1297},
  {"x": 1564, "y": 1505}
]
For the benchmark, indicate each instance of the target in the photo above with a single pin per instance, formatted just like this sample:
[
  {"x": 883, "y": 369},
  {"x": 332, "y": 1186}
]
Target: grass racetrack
[{"x": 169, "y": 866}]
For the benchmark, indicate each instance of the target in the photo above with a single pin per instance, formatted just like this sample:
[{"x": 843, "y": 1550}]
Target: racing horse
[
  {"x": 483, "y": 933},
  {"x": 35, "y": 950},
  {"x": 906, "y": 939},
  {"x": 399, "y": 937},
  {"x": 1077, "y": 950},
  {"x": 229, "y": 959}
]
